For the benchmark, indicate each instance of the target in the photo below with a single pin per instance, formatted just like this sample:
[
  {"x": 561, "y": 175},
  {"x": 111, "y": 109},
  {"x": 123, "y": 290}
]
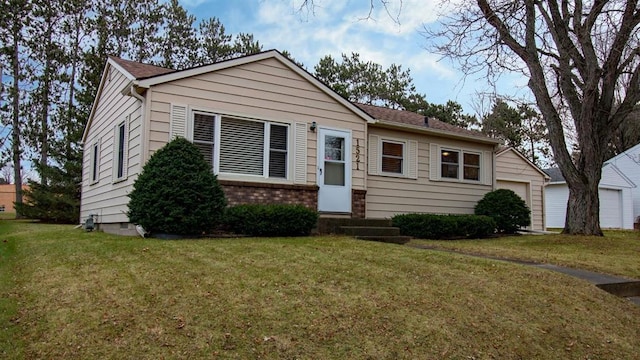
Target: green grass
[
  {"x": 78, "y": 295},
  {"x": 617, "y": 253}
]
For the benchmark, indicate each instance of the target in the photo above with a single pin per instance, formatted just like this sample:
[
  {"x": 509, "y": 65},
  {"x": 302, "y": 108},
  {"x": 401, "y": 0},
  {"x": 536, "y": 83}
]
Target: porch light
[{"x": 313, "y": 126}]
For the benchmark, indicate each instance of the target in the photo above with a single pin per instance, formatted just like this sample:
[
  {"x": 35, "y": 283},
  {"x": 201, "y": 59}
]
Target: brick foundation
[
  {"x": 358, "y": 204},
  {"x": 242, "y": 192}
]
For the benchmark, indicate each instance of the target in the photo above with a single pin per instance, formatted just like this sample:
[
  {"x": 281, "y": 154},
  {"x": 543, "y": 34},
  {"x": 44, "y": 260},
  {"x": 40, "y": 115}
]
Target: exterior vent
[{"x": 426, "y": 121}]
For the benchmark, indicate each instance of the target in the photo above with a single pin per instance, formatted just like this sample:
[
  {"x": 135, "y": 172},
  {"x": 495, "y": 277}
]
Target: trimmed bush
[
  {"x": 177, "y": 193},
  {"x": 432, "y": 226},
  {"x": 506, "y": 208},
  {"x": 271, "y": 220}
]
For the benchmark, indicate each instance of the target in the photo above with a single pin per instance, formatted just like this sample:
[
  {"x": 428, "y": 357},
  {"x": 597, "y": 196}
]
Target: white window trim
[
  {"x": 125, "y": 150},
  {"x": 461, "y": 152},
  {"x": 94, "y": 158},
  {"x": 404, "y": 144},
  {"x": 218, "y": 116}
]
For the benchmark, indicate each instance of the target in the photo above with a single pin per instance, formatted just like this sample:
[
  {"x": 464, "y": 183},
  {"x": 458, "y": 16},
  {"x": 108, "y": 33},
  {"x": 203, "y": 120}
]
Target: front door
[{"x": 334, "y": 171}]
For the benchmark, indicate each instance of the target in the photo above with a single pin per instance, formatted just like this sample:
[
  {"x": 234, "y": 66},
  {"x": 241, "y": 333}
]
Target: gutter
[{"x": 143, "y": 137}]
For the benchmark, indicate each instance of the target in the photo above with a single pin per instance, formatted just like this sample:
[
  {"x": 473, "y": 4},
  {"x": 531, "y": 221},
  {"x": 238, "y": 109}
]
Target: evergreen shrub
[
  {"x": 433, "y": 226},
  {"x": 177, "y": 193},
  {"x": 506, "y": 208},
  {"x": 271, "y": 220}
]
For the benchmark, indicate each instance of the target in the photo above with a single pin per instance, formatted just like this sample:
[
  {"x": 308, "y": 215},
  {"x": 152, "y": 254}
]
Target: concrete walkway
[{"x": 628, "y": 288}]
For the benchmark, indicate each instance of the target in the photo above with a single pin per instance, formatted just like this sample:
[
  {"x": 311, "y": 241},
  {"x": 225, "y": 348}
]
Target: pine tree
[
  {"x": 14, "y": 19},
  {"x": 179, "y": 43}
]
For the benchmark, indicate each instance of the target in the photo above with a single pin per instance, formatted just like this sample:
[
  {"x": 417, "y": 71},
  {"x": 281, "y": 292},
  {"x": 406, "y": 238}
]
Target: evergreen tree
[
  {"x": 145, "y": 31},
  {"x": 367, "y": 82},
  {"x": 504, "y": 122},
  {"x": 14, "y": 19},
  {"x": 179, "y": 43}
]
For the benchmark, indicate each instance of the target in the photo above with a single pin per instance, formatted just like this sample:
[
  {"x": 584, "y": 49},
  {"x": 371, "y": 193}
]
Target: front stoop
[{"x": 363, "y": 229}]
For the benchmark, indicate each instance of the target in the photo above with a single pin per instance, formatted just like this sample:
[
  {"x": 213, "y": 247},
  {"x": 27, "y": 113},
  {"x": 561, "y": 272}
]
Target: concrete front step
[
  {"x": 370, "y": 230},
  {"x": 387, "y": 239}
]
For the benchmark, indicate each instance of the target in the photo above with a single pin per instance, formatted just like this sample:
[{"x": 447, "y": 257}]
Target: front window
[
  {"x": 203, "y": 135},
  {"x": 450, "y": 164},
  {"x": 246, "y": 146},
  {"x": 460, "y": 165},
  {"x": 471, "y": 166},
  {"x": 392, "y": 157}
]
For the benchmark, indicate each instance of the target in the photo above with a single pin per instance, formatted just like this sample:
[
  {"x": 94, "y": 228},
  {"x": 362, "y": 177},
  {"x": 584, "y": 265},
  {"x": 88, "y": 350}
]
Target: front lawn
[
  {"x": 76, "y": 295},
  {"x": 617, "y": 253}
]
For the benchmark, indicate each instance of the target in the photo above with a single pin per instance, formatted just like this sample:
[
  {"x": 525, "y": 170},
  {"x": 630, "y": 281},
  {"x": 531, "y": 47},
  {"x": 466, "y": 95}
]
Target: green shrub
[
  {"x": 508, "y": 210},
  {"x": 432, "y": 226},
  {"x": 271, "y": 220},
  {"x": 177, "y": 193}
]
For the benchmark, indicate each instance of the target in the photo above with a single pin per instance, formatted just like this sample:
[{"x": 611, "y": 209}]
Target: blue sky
[{"x": 337, "y": 26}]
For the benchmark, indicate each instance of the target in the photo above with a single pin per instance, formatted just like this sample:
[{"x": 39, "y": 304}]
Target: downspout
[{"x": 143, "y": 136}]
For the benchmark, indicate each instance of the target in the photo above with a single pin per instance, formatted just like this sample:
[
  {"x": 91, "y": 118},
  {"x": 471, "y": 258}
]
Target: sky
[{"x": 334, "y": 27}]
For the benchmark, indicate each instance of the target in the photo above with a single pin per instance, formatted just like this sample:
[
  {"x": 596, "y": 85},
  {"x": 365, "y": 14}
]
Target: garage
[
  {"x": 520, "y": 188},
  {"x": 616, "y": 203},
  {"x": 610, "y": 208}
]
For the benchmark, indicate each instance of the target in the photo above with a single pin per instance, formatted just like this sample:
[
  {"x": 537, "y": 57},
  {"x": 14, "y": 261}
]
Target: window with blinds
[
  {"x": 242, "y": 146},
  {"x": 278, "y": 151},
  {"x": 204, "y": 135}
]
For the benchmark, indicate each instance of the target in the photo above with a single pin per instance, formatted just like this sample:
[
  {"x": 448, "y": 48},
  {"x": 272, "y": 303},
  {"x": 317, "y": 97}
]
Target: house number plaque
[{"x": 357, "y": 154}]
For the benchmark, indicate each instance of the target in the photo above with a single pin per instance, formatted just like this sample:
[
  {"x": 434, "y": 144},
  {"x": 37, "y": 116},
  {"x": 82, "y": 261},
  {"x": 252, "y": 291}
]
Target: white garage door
[
  {"x": 521, "y": 189},
  {"x": 610, "y": 208}
]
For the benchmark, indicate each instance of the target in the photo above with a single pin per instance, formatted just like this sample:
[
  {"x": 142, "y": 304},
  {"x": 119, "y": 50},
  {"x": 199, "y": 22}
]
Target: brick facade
[
  {"x": 8, "y": 196},
  {"x": 241, "y": 192},
  {"x": 358, "y": 203}
]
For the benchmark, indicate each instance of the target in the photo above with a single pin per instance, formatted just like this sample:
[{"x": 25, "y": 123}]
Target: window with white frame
[
  {"x": 471, "y": 166},
  {"x": 245, "y": 146},
  {"x": 204, "y": 135},
  {"x": 120, "y": 151},
  {"x": 459, "y": 165},
  {"x": 392, "y": 157},
  {"x": 95, "y": 162}
]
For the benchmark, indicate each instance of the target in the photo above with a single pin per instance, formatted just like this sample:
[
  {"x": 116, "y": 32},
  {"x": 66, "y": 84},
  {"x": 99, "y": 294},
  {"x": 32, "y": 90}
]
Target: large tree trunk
[{"x": 583, "y": 210}]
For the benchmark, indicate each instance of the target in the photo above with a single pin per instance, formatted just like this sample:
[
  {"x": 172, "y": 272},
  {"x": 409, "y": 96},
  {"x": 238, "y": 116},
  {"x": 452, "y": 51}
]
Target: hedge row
[
  {"x": 270, "y": 220},
  {"x": 431, "y": 226}
]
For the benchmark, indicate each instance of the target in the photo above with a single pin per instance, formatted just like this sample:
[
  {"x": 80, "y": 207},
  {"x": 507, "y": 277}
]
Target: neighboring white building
[
  {"x": 616, "y": 199},
  {"x": 629, "y": 164}
]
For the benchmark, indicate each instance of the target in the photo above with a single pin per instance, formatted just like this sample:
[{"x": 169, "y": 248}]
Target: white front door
[{"x": 334, "y": 170}]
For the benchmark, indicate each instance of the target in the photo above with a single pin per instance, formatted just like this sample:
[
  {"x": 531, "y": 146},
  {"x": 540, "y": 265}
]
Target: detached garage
[
  {"x": 515, "y": 172},
  {"x": 616, "y": 202}
]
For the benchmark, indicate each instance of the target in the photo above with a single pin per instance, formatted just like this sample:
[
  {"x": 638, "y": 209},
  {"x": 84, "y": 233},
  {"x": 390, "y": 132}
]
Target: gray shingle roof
[{"x": 555, "y": 174}]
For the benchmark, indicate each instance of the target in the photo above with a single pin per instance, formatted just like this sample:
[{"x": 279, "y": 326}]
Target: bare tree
[{"x": 578, "y": 57}]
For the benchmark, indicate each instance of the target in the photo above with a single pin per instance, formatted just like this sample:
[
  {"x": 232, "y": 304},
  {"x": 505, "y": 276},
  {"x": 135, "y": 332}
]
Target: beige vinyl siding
[
  {"x": 105, "y": 198},
  {"x": 389, "y": 195},
  {"x": 264, "y": 90},
  {"x": 510, "y": 168}
]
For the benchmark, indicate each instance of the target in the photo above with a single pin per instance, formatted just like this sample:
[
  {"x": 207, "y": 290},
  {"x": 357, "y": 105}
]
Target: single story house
[
  {"x": 274, "y": 133},
  {"x": 517, "y": 173},
  {"x": 628, "y": 163},
  {"x": 616, "y": 199}
]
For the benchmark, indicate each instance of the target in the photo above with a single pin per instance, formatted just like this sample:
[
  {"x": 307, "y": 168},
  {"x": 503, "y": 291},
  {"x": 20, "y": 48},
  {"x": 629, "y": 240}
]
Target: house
[
  {"x": 8, "y": 197},
  {"x": 616, "y": 198},
  {"x": 517, "y": 173},
  {"x": 628, "y": 163},
  {"x": 274, "y": 133}
]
